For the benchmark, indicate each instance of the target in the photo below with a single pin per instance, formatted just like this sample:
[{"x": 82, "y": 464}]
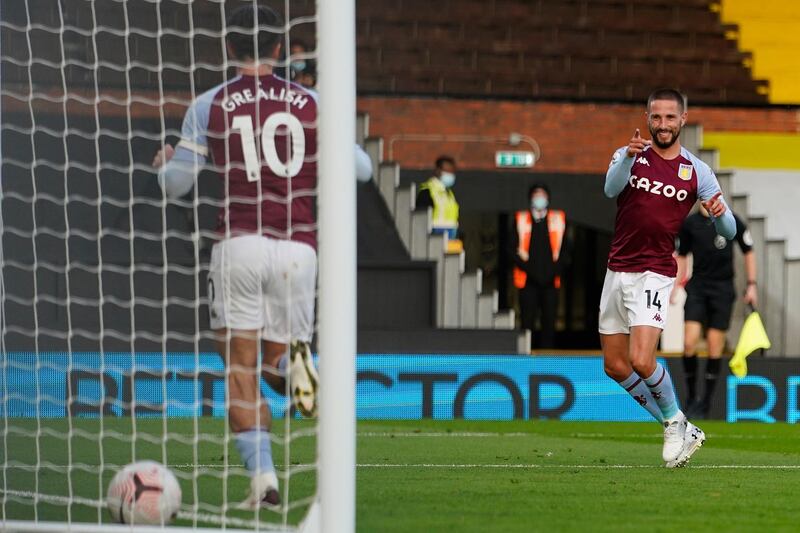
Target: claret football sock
[
  {"x": 663, "y": 392},
  {"x": 255, "y": 448},
  {"x": 635, "y": 386}
]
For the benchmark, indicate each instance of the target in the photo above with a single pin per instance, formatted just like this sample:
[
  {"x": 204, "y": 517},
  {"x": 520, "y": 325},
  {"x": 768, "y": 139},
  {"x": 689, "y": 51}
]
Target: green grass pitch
[{"x": 450, "y": 475}]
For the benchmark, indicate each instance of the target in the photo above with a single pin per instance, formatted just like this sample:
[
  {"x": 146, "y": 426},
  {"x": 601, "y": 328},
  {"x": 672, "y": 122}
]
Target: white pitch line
[
  {"x": 307, "y": 467},
  {"x": 484, "y": 434},
  {"x": 715, "y": 436},
  {"x": 566, "y": 467},
  {"x": 522, "y": 466},
  {"x": 440, "y": 434}
]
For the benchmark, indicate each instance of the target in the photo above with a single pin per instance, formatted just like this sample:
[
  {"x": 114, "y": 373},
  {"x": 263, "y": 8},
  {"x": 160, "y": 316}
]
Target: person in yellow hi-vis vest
[
  {"x": 437, "y": 193},
  {"x": 540, "y": 254}
]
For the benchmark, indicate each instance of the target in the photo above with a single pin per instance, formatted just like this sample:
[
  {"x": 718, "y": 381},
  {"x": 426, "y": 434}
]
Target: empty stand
[{"x": 600, "y": 49}]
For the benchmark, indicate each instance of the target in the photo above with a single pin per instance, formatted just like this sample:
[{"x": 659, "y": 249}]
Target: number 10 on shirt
[{"x": 244, "y": 125}]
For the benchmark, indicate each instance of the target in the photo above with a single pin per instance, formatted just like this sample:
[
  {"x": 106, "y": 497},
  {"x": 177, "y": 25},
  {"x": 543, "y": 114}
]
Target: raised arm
[
  {"x": 710, "y": 194},
  {"x": 619, "y": 171}
]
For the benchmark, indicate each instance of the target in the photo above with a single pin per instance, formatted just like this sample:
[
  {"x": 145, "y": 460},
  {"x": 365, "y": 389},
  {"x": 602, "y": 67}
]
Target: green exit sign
[{"x": 514, "y": 159}]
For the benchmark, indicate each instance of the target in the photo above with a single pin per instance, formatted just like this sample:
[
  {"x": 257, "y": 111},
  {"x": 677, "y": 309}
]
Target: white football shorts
[
  {"x": 258, "y": 283},
  {"x": 634, "y": 299}
]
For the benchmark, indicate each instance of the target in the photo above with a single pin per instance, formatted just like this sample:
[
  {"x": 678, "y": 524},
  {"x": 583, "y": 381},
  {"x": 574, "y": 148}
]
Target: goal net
[{"x": 107, "y": 356}]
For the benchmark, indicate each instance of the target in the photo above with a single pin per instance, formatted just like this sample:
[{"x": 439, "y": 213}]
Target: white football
[{"x": 144, "y": 492}]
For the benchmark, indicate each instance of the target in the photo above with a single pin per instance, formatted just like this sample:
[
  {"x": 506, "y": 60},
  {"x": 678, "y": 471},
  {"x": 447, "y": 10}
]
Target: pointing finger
[{"x": 713, "y": 200}]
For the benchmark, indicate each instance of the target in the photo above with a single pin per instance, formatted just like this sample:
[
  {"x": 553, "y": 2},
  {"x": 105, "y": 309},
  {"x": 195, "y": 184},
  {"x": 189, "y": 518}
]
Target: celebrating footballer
[{"x": 656, "y": 183}]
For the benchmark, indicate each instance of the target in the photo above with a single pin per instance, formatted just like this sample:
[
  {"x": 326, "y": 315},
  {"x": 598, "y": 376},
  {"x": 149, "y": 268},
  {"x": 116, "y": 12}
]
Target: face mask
[
  {"x": 298, "y": 66},
  {"x": 448, "y": 178},
  {"x": 539, "y": 202}
]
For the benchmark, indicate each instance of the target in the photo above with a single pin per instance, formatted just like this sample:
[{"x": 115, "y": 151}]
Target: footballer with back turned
[{"x": 259, "y": 132}]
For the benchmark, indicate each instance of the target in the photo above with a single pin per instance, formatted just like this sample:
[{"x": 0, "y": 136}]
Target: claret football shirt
[
  {"x": 260, "y": 134},
  {"x": 652, "y": 205}
]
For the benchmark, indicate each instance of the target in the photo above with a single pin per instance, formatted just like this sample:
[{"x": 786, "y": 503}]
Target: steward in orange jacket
[{"x": 540, "y": 255}]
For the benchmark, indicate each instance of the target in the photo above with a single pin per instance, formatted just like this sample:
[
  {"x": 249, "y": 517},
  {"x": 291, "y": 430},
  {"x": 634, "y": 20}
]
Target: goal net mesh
[{"x": 107, "y": 355}]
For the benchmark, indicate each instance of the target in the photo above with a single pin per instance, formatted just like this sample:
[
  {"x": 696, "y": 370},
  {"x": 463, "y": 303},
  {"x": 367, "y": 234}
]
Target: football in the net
[{"x": 144, "y": 492}]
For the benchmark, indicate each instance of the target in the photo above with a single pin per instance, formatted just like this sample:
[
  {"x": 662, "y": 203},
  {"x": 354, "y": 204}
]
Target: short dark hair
[
  {"x": 241, "y": 26},
  {"x": 442, "y": 159},
  {"x": 537, "y": 186},
  {"x": 311, "y": 68},
  {"x": 668, "y": 94}
]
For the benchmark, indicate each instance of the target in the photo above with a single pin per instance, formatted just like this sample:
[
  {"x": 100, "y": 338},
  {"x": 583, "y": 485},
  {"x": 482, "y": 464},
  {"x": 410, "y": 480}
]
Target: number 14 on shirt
[{"x": 652, "y": 299}]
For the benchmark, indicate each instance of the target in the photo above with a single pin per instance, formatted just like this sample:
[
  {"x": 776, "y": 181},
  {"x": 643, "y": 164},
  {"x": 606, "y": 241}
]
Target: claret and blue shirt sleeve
[
  {"x": 619, "y": 172},
  {"x": 707, "y": 187}
]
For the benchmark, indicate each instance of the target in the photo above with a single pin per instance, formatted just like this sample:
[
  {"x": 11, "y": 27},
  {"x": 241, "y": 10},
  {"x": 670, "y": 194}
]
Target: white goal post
[{"x": 337, "y": 256}]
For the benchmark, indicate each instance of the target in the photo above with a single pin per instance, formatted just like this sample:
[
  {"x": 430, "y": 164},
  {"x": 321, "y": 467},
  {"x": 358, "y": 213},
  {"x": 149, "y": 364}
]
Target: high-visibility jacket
[
  {"x": 445, "y": 207},
  {"x": 556, "y": 224}
]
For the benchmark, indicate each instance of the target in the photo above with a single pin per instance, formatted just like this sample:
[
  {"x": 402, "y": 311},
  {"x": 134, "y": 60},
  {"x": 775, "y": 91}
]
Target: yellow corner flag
[{"x": 752, "y": 337}]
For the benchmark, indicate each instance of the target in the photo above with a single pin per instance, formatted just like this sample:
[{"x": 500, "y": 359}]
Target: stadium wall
[
  {"x": 390, "y": 386},
  {"x": 574, "y": 137}
]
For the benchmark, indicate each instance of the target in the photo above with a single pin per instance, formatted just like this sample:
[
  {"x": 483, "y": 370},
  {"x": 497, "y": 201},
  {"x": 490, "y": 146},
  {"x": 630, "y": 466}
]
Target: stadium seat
[
  {"x": 574, "y": 49},
  {"x": 577, "y": 49}
]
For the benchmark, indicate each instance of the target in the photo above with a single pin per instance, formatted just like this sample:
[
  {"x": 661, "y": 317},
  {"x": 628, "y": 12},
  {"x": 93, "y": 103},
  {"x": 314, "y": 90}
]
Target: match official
[{"x": 710, "y": 295}]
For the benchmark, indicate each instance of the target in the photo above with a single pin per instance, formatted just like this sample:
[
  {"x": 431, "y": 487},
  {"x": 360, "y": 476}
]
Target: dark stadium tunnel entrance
[{"x": 488, "y": 200}]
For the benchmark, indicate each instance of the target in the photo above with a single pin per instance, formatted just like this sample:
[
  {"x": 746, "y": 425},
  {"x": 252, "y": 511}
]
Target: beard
[{"x": 663, "y": 145}]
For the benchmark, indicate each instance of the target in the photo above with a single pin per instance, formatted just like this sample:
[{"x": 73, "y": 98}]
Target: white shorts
[
  {"x": 634, "y": 299},
  {"x": 255, "y": 282}
]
